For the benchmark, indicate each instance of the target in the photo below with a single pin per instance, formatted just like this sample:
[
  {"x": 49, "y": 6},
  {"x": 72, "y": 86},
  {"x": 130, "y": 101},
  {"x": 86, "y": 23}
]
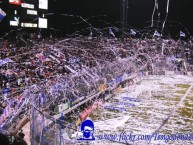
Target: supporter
[
  {"x": 19, "y": 139},
  {"x": 4, "y": 140}
]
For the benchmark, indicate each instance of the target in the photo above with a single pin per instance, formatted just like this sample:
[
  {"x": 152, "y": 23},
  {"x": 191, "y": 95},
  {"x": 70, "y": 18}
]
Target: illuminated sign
[
  {"x": 25, "y": 5},
  {"x": 15, "y": 22},
  {"x": 29, "y": 25},
  {"x": 32, "y": 12},
  {"x": 43, "y": 23},
  {"x": 43, "y": 4},
  {"x": 15, "y": 2}
]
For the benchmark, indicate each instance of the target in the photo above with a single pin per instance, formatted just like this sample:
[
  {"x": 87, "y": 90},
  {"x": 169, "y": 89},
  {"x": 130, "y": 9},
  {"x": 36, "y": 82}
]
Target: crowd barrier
[{"x": 56, "y": 135}]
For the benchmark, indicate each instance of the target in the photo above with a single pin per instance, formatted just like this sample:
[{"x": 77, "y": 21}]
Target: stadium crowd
[
  {"x": 46, "y": 60},
  {"x": 30, "y": 65}
]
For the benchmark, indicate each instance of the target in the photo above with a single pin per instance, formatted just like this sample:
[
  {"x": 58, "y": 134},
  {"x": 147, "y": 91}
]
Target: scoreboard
[{"x": 28, "y": 13}]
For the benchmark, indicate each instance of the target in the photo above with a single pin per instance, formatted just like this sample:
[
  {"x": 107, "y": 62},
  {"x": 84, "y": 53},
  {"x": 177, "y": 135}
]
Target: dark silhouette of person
[
  {"x": 4, "y": 140},
  {"x": 19, "y": 139},
  {"x": 87, "y": 128}
]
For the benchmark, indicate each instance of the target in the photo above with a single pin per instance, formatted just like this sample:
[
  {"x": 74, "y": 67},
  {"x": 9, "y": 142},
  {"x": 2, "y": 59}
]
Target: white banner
[{"x": 5, "y": 61}]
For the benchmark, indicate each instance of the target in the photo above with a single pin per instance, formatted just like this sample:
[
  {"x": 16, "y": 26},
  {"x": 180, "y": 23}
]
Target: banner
[
  {"x": 63, "y": 107},
  {"x": 74, "y": 101},
  {"x": 83, "y": 115},
  {"x": 5, "y": 61},
  {"x": 89, "y": 110}
]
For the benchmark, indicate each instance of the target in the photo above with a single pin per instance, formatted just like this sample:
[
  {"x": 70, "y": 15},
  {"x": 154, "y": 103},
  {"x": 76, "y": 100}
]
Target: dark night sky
[{"x": 139, "y": 13}]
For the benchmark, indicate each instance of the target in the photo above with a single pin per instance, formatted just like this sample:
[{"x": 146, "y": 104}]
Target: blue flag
[
  {"x": 90, "y": 35},
  {"x": 156, "y": 33},
  {"x": 182, "y": 34},
  {"x": 111, "y": 32},
  {"x": 2, "y": 14},
  {"x": 133, "y": 32}
]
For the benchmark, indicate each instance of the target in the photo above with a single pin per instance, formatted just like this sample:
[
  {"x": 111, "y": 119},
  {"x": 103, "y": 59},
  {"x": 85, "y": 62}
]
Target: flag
[
  {"x": 182, "y": 34},
  {"x": 111, "y": 33},
  {"x": 2, "y": 14},
  {"x": 133, "y": 32},
  {"x": 156, "y": 33},
  {"x": 6, "y": 91},
  {"x": 90, "y": 35}
]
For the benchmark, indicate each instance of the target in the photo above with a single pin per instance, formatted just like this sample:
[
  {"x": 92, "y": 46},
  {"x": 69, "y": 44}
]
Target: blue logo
[{"x": 87, "y": 129}]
